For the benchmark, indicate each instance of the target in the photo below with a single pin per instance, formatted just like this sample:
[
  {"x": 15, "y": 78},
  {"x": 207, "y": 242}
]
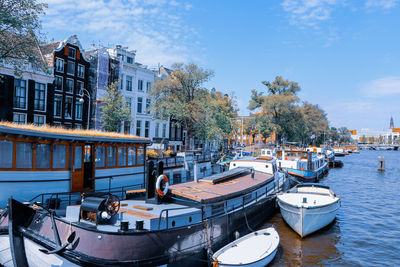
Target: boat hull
[
  {"x": 308, "y": 176},
  {"x": 97, "y": 248},
  {"x": 305, "y": 221}
]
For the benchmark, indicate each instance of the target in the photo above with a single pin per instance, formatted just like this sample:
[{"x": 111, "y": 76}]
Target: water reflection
[{"x": 316, "y": 249}]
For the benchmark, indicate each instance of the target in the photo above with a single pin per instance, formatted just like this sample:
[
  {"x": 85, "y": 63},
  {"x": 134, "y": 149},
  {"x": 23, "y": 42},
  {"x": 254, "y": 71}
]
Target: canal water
[{"x": 366, "y": 231}]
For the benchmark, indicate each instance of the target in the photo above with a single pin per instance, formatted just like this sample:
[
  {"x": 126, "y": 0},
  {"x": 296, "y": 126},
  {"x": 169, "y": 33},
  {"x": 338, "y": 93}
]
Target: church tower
[{"x": 391, "y": 123}]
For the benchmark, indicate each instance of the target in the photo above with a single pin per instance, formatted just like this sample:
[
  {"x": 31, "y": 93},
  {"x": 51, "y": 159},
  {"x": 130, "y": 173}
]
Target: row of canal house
[{"x": 69, "y": 93}]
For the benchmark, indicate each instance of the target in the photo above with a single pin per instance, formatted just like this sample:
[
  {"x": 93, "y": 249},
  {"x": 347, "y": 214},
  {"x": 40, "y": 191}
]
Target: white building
[
  {"x": 370, "y": 136},
  {"x": 136, "y": 81}
]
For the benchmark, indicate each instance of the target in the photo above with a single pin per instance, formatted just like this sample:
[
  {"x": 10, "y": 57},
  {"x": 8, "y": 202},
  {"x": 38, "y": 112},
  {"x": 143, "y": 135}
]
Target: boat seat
[{"x": 139, "y": 214}]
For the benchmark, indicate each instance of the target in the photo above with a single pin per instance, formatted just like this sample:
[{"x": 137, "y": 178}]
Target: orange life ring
[{"x": 160, "y": 192}]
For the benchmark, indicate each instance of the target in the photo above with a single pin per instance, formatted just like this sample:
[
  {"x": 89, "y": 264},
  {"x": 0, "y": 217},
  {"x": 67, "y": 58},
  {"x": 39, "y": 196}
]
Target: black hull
[{"x": 156, "y": 247}]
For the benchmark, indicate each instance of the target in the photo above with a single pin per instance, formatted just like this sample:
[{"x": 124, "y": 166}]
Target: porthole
[
  {"x": 173, "y": 223},
  {"x": 190, "y": 219},
  {"x": 266, "y": 166},
  {"x": 234, "y": 164}
]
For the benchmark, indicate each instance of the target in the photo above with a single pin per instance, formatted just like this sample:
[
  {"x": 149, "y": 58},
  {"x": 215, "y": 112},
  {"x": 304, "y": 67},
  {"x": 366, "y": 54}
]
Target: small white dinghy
[
  {"x": 255, "y": 249},
  {"x": 308, "y": 207}
]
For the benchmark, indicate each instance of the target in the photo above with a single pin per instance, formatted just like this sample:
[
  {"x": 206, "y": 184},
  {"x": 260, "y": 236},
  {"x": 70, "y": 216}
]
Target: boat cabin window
[
  {"x": 78, "y": 157},
  {"x": 88, "y": 154},
  {"x": 111, "y": 156},
  {"x": 131, "y": 156},
  {"x": 24, "y": 155},
  {"x": 122, "y": 156},
  {"x": 43, "y": 155},
  {"x": 7, "y": 153},
  {"x": 100, "y": 156},
  {"x": 59, "y": 156},
  {"x": 140, "y": 156}
]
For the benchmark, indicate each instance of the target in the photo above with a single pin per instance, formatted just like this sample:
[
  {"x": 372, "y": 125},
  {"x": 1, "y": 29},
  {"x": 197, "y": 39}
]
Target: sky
[{"x": 345, "y": 54}]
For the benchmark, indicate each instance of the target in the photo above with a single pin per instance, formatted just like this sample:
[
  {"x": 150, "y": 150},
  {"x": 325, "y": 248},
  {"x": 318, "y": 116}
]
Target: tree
[
  {"x": 183, "y": 98},
  {"x": 19, "y": 30},
  {"x": 114, "y": 109},
  {"x": 278, "y": 105}
]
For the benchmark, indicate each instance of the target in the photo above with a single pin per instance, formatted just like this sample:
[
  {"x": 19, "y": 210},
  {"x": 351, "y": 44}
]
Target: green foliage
[
  {"x": 280, "y": 111},
  {"x": 19, "y": 30},
  {"x": 114, "y": 109},
  {"x": 205, "y": 115}
]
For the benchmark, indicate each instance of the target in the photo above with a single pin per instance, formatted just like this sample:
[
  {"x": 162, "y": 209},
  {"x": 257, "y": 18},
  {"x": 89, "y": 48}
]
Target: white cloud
[
  {"x": 309, "y": 12},
  {"x": 386, "y": 4},
  {"x": 156, "y": 29},
  {"x": 383, "y": 87}
]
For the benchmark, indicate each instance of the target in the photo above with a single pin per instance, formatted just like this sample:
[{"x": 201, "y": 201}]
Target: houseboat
[
  {"x": 304, "y": 165},
  {"x": 328, "y": 153},
  {"x": 41, "y": 160},
  {"x": 108, "y": 228}
]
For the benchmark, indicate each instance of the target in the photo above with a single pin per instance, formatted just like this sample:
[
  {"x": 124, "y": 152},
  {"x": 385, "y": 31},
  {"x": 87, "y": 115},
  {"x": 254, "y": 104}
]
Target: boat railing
[
  {"x": 49, "y": 200},
  {"x": 216, "y": 209}
]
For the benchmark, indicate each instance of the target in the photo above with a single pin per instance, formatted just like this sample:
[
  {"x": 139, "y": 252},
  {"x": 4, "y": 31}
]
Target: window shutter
[
  {"x": 66, "y": 50},
  {"x": 78, "y": 54}
]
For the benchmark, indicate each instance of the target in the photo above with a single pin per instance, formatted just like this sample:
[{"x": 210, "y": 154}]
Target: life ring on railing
[{"x": 160, "y": 178}]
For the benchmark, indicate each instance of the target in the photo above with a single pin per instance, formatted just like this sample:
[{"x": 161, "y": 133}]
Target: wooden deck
[{"x": 208, "y": 192}]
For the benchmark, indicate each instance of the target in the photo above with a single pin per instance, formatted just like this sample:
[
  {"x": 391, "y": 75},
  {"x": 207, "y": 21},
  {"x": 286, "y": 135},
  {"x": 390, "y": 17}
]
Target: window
[
  {"x": 178, "y": 132},
  {"x": 79, "y": 87},
  {"x": 70, "y": 86},
  {"x": 128, "y": 83},
  {"x": 100, "y": 156},
  {"x": 138, "y": 125},
  {"x": 148, "y": 105},
  {"x": 148, "y": 86},
  {"x": 127, "y": 127},
  {"x": 129, "y": 103},
  {"x": 59, "y": 156},
  {"x": 40, "y": 97},
  {"x": 71, "y": 68},
  {"x": 129, "y": 60},
  {"x": 71, "y": 52},
  {"x": 24, "y": 155},
  {"x": 19, "y": 118},
  {"x": 7, "y": 153},
  {"x": 172, "y": 131},
  {"x": 131, "y": 156},
  {"x": 140, "y": 85},
  {"x": 164, "y": 130},
  {"x": 122, "y": 156},
  {"x": 111, "y": 156},
  {"x": 122, "y": 82},
  {"x": 39, "y": 120},
  {"x": 139, "y": 104},
  {"x": 78, "y": 110},
  {"x": 59, "y": 65},
  {"x": 68, "y": 108},
  {"x": 81, "y": 71},
  {"x": 20, "y": 94},
  {"x": 157, "y": 129},
  {"x": 78, "y": 126},
  {"x": 146, "y": 128},
  {"x": 78, "y": 157},
  {"x": 43, "y": 156},
  {"x": 57, "y": 105},
  {"x": 140, "y": 156},
  {"x": 58, "y": 83}
]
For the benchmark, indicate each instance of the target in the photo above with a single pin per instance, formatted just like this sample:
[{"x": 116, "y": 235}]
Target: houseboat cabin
[{"x": 39, "y": 160}]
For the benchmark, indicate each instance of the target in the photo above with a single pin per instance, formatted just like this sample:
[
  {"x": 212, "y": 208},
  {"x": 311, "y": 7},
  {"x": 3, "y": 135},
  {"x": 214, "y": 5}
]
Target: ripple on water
[{"x": 367, "y": 228}]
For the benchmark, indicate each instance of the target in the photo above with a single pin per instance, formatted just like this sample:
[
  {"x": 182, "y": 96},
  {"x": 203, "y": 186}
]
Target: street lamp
[{"x": 83, "y": 92}]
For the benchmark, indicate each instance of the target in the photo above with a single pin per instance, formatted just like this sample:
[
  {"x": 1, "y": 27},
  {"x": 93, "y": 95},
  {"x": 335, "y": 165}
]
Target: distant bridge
[{"x": 379, "y": 147}]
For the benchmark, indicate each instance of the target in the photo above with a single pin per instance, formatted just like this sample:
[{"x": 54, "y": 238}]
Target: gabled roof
[{"x": 50, "y": 48}]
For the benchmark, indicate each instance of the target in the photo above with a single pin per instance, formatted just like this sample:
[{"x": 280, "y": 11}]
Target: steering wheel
[{"x": 112, "y": 205}]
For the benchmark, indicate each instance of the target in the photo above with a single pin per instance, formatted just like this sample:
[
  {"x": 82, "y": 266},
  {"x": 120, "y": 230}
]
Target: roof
[{"x": 49, "y": 132}]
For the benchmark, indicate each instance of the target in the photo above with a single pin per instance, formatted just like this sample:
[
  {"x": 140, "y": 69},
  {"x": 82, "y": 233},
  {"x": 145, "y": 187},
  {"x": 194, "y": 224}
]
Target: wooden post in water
[{"x": 381, "y": 164}]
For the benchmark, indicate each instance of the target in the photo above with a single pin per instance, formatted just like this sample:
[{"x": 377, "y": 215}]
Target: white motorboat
[
  {"x": 308, "y": 207},
  {"x": 255, "y": 249}
]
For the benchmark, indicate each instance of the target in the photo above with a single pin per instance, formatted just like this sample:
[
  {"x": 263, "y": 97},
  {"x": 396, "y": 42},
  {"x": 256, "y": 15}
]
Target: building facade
[
  {"x": 25, "y": 97},
  {"x": 135, "y": 82},
  {"x": 70, "y": 98}
]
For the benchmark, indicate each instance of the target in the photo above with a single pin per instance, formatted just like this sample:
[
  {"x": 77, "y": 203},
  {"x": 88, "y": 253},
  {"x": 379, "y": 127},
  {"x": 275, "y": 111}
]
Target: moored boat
[
  {"x": 255, "y": 249},
  {"x": 339, "y": 152},
  {"x": 304, "y": 165},
  {"x": 308, "y": 207},
  {"x": 169, "y": 224}
]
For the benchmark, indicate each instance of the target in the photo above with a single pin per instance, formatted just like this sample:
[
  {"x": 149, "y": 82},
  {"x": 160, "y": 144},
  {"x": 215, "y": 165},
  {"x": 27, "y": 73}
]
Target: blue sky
[{"x": 345, "y": 54}]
